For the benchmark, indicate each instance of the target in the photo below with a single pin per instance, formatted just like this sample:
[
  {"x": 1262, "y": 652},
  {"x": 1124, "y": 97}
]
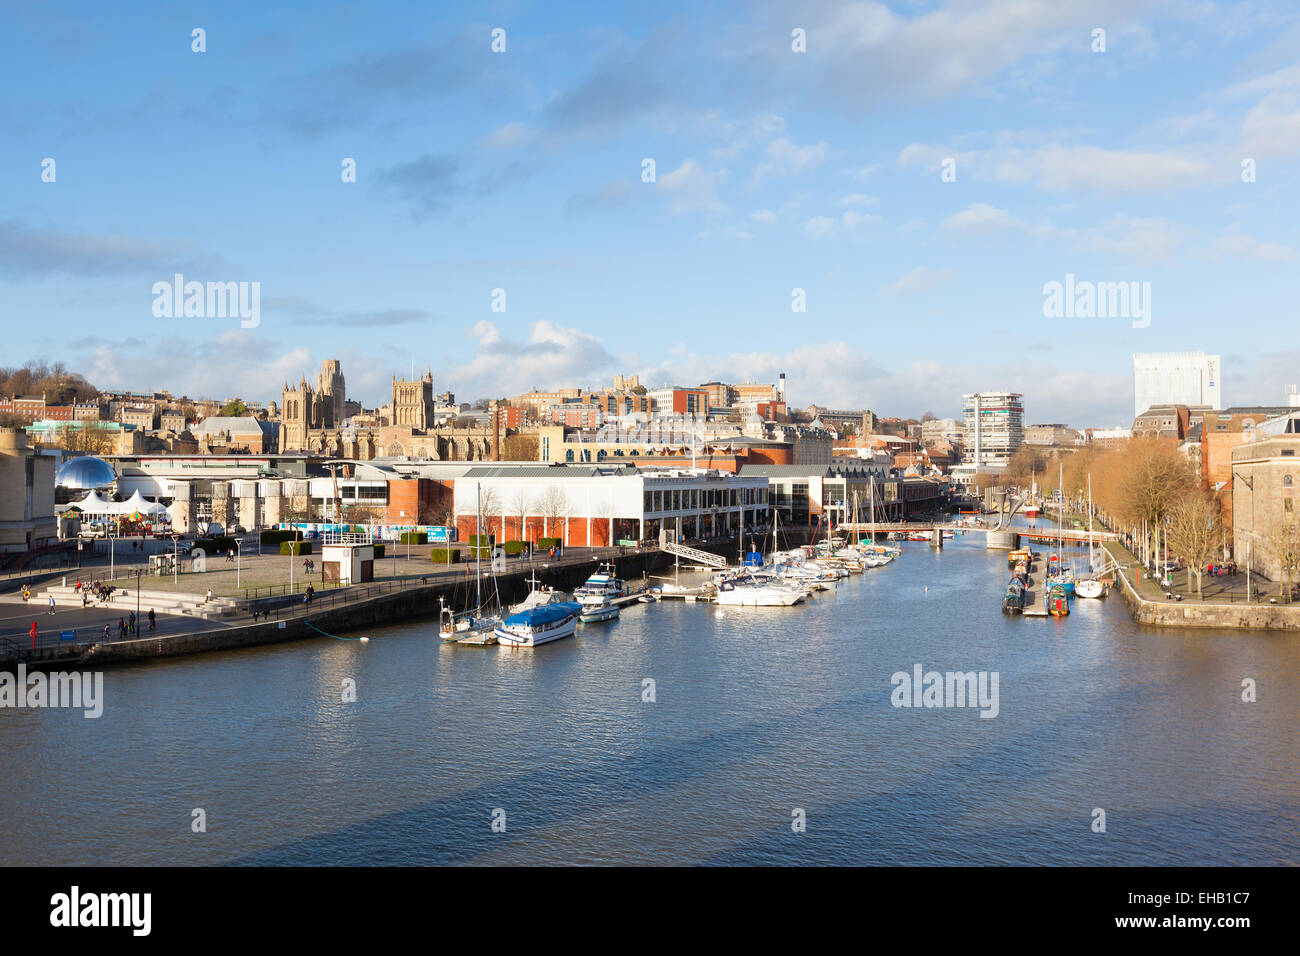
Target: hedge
[
  {"x": 544, "y": 543},
  {"x": 276, "y": 535},
  {"x": 415, "y": 537},
  {"x": 514, "y": 548},
  {"x": 219, "y": 545},
  {"x": 295, "y": 547},
  {"x": 439, "y": 555}
]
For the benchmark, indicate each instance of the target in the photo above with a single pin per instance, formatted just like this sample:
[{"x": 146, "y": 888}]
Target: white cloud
[
  {"x": 859, "y": 200},
  {"x": 486, "y": 333},
  {"x": 1242, "y": 246},
  {"x": 552, "y": 356},
  {"x": 691, "y": 187},
  {"x": 763, "y": 215},
  {"x": 784, "y": 158},
  {"x": 852, "y": 219},
  {"x": 509, "y": 136},
  {"x": 1272, "y": 128},
  {"x": 921, "y": 279},
  {"x": 819, "y": 227},
  {"x": 981, "y": 216},
  {"x": 1072, "y": 168}
]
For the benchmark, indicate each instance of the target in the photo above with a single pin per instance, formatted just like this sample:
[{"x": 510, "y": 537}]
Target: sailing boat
[
  {"x": 1090, "y": 587},
  {"x": 473, "y": 626}
]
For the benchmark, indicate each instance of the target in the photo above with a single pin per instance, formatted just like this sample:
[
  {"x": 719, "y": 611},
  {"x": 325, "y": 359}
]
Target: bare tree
[
  {"x": 1284, "y": 539},
  {"x": 554, "y": 505},
  {"x": 519, "y": 447},
  {"x": 519, "y": 506},
  {"x": 1195, "y": 532},
  {"x": 490, "y": 506},
  {"x": 91, "y": 438}
]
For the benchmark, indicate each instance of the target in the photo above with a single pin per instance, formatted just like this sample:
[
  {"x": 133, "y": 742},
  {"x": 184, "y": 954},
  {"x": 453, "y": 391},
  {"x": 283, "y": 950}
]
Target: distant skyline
[{"x": 775, "y": 170}]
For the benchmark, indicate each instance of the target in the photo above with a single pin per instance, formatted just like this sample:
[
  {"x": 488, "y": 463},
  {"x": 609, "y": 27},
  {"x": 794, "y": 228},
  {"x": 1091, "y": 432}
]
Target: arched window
[
  {"x": 568, "y": 455},
  {"x": 600, "y": 455},
  {"x": 1286, "y": 481}
]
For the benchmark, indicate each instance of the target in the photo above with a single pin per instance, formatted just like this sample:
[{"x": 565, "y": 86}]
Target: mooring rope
[{"x": 335, "y": 636}]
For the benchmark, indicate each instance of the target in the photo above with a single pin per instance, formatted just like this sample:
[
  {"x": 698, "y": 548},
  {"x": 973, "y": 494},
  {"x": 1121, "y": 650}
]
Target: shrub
[
  {"x": 276, "y": 535},
  {"x": 295, "y": 547},
  {"x": 218, "y": 545},
  {"x": 514, "y": 548},
  {"x": 415, "y": 537},
  {"x": 439, "y": 555},
  {"x": 544, "y": 543}
]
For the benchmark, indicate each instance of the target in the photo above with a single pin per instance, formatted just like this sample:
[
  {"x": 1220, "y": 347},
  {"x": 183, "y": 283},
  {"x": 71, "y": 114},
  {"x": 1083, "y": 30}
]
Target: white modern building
[
  {"x": 603, "y": 505},
  {"x": 995, "y": 428},
  {"x": 1176, "y": 378}
]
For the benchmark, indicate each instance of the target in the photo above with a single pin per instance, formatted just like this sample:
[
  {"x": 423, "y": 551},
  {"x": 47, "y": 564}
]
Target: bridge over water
[{"x": 1005, "y": 536}]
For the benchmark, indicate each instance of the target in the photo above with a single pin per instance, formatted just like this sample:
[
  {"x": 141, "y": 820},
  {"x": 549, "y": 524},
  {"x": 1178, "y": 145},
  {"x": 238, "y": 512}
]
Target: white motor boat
[
  {"x": 743, "y": 592},
  {"x": 592, "y": 611}
]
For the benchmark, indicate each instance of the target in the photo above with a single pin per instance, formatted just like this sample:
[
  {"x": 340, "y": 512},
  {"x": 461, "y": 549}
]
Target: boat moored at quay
[{"x": 539, "y": 625}]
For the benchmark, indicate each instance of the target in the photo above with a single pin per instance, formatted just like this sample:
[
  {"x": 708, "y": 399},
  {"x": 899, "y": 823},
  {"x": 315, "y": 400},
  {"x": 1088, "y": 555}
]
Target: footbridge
[{"x": 1000, "y": 532}]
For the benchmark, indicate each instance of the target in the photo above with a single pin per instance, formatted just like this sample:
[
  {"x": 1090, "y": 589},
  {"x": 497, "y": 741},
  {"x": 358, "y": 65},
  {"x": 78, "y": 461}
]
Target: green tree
[{"x": 234, "y": 408}]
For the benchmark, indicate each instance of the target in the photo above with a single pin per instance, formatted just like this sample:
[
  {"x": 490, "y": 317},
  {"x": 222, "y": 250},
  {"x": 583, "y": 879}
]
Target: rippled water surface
[{"x": 758, "y": 712}]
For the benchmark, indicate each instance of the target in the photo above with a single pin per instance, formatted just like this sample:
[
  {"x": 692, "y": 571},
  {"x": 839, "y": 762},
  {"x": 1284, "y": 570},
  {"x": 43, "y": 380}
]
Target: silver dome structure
[{"x": 85, "y": 473}]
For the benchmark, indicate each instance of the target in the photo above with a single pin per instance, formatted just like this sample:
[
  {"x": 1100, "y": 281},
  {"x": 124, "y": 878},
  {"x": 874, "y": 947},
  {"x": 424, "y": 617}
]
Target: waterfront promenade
[{"x": 269, "y": 608}]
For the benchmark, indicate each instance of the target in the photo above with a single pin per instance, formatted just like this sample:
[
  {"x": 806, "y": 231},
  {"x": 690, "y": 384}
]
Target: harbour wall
[
  {"x": 1216, "y": 616},
  {"x": 419, "y": 601}
]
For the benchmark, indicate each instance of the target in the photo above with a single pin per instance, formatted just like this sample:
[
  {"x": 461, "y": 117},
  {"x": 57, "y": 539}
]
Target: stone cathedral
[{"x": 313, "y": 420}]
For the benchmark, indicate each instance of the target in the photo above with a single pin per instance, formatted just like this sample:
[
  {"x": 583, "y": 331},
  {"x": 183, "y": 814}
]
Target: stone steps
[{"x": 163, "y": 602}]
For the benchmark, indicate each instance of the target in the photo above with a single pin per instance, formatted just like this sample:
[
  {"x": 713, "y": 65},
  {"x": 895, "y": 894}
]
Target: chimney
[
  {"x": 496, "y": 432},
  {"x": 781, "y": 387}
]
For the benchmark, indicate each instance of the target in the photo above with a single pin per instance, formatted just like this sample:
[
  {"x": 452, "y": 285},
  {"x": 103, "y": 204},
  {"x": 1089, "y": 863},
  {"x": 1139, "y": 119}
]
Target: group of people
[
  {"x": 126, "y": 625},
  {"x": 308, "y": 565},
  {"x": 1221, "y": 570}
]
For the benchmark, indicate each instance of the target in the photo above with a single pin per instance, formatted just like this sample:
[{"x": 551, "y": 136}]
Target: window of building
[{"x": 1286, "y": 481}]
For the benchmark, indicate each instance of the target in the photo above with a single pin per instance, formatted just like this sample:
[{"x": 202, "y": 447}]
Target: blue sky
[{"x": 775, "y": 170}]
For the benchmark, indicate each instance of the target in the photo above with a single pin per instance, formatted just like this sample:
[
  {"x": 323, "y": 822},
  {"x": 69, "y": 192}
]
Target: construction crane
[{"x": 338, "y": 499}]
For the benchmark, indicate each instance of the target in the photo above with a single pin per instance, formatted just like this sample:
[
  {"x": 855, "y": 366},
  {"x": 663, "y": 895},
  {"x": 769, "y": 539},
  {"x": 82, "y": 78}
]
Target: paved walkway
[
  {"x": 1228, "y": 589},
  {"x": 16, "y": 621}
]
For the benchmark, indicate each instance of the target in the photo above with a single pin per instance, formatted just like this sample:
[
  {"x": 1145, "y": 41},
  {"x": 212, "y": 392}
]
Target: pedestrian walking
[
  {"x": 209, "y": 597},
  {"x": 230, "y": 556},
  {"x": 33, "y": 632},
  {"x": 152, "y": 619},
  {"x": 121, "y": 628},
  {"x": 106, "y": 638},
  {"x": 130, "y": 623},
  {"x": 51, "y": 603}
]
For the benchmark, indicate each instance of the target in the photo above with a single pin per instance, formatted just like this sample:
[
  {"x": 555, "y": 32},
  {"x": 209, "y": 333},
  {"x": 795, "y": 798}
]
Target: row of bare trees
[
  {"x": 1150, "y": 488},
  {"x": 552, "y": 505}
]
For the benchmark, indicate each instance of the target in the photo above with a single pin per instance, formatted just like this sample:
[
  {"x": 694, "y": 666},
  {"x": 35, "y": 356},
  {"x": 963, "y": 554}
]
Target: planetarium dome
[{"x": 85, "y": 473}]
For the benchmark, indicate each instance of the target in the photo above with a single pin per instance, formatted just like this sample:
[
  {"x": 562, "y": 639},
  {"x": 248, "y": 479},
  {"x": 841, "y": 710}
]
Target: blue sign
[
  {"x": 439, "y": 534},
  {"x": 67, "y": 635}
]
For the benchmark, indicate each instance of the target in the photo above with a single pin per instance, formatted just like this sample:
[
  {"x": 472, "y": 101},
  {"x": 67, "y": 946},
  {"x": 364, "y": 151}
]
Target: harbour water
[{"x": 757, "y": 712}]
